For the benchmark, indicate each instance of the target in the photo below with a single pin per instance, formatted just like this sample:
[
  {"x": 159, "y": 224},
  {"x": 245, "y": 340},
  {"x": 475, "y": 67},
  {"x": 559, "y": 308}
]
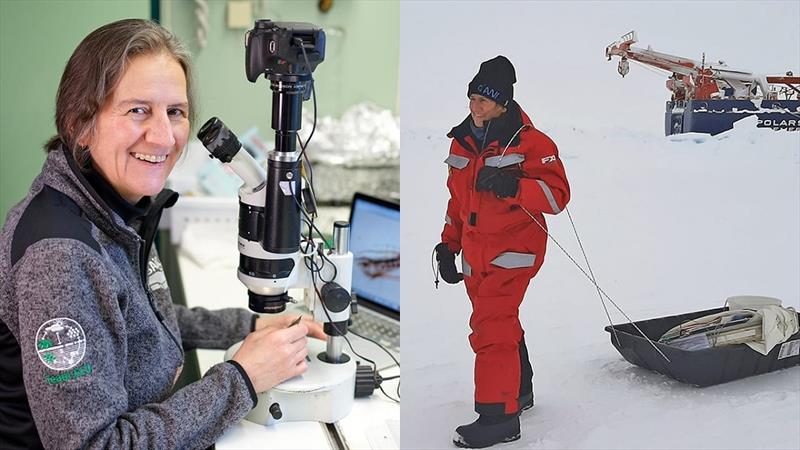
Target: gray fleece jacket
[{"x": 90, "y": 341}]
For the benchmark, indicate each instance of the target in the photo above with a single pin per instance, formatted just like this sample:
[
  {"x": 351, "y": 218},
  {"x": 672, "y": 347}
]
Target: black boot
[
  {"x": 526, "y": 377},
  {"x": 487, "y": 431},
  {"x": 525, "y": 402}
]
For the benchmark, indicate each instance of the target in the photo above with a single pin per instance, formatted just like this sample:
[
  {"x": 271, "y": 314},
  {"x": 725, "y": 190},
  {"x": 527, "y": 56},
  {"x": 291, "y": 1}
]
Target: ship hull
[{"x": 716, "y": 116}]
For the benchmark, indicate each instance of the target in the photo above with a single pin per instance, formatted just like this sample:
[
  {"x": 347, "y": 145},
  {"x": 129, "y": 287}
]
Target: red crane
[{"x": 692, "y": 80}]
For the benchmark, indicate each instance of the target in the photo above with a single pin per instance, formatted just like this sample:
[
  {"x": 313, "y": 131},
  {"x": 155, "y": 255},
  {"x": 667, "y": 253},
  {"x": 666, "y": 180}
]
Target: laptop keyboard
[{"x": 378, "y": 328}]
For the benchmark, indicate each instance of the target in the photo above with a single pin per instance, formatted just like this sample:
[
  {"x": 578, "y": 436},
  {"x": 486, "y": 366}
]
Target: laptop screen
[{"x": 375, "y": 243}]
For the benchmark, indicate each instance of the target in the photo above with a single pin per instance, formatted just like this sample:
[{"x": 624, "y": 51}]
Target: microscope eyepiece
[{"x": 219, "y": 140}]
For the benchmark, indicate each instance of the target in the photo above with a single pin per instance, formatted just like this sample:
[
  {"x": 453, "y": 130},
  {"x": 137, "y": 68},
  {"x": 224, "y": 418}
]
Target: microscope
[{"x": 272, "y": 203}]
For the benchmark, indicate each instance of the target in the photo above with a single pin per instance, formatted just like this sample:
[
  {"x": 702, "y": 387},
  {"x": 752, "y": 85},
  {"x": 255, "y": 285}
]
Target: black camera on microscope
[
  {"x": 270, "y": 201},
  {"x": 275, "y": 48}
]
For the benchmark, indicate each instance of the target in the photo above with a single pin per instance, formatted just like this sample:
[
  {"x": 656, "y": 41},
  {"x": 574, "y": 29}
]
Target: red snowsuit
[{"x": 502, "y": 247}]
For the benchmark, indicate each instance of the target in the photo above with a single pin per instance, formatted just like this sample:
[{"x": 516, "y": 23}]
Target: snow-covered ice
[{"x": 670, "y": 225}]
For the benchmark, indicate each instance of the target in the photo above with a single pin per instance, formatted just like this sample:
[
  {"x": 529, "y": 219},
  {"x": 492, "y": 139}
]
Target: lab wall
[
  {"x": 36, "y": 40},
  {"x": 361, "y": 57}
]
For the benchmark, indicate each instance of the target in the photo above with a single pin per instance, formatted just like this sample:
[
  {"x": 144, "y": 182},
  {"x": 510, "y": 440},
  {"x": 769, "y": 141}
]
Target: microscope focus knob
[
  {"x": 275, "y": 411},
  {"x": 335, "y": 297}
]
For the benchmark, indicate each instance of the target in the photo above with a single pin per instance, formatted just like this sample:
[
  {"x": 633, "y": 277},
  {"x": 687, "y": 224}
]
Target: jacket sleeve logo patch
[
  {"x": 549, "y": 159},
  {"x": 73, "y": 374},
  {"x": 60, "y": 343}
]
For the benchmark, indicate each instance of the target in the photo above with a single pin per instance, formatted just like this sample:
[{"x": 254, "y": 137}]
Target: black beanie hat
[{"x": 495, "y": 80}]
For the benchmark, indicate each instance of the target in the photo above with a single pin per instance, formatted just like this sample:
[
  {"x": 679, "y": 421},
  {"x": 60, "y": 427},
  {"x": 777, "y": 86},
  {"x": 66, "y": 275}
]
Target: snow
[{"x": 670, "y": 225}]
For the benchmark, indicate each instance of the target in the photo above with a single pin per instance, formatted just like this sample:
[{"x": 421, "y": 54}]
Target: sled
[{"x": 701, "y": 368}]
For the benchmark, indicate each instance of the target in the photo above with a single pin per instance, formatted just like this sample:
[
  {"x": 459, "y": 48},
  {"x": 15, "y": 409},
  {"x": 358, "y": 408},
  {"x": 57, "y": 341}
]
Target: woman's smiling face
[
  {"x": 483, "y": 109},
  {"x": 142, "y": 128}
]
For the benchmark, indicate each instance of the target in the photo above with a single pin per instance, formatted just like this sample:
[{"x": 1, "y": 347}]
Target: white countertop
[{"x": 373, "y": 423}]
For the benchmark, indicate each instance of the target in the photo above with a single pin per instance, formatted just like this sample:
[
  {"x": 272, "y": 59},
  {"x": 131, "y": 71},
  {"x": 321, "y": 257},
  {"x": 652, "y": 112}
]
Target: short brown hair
[{"x": 96, "y": 67}]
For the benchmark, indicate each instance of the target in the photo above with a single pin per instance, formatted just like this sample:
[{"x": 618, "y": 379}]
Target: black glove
[
  {"x": 447, "y": 264},
  {"x": 507, "y": 183},
  {"x": 486, "y": 178},
  {"x": 503, "y": 182}
]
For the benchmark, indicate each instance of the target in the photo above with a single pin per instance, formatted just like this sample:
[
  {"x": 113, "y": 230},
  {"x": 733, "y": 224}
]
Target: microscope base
[{"x": 324, "y": 393}]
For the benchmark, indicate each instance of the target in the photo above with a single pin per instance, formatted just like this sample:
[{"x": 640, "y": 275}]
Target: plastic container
[
  {"x": 700, "y": 367},
  {"x": 751, "y": 302}
]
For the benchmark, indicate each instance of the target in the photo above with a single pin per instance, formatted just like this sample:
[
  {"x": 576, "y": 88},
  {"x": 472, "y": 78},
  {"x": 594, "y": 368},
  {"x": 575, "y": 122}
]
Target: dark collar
[
  {"x": 500, "y": 130},
  {"x": 115, "y": 201}
]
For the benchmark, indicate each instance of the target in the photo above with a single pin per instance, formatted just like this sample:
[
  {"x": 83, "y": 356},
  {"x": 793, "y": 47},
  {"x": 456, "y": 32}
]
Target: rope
[
  {"x": 589, "y": 275},
  {"x": 509, "y": 143},
  {"x": 591, "y": 279},
  {"x": 594, "y": 280}
]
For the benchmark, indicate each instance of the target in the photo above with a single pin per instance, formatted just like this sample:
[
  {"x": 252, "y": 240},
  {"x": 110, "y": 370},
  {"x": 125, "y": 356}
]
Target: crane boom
[
  {"x": 709, "y": 98},
  {"x": 693, "y": 80}
]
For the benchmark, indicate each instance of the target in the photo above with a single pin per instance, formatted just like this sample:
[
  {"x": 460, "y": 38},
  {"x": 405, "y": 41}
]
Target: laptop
[{"x": 375, "y": 244}]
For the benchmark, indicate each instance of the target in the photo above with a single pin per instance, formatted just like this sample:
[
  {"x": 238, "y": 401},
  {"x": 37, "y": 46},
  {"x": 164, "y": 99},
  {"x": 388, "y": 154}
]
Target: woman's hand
[
  {"x": 284, "y": 320},
  {"x": 272, "y": 355}
]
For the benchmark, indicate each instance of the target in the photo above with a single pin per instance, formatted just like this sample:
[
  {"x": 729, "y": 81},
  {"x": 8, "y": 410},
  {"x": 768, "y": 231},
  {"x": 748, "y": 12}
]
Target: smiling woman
[
  {"x": 110, "y": 51},
  {"x": 142, "y": 128},
  {"x": 483, "y": 109},
  {"x": 90, "y": 341},
  {"x": 503, "y": 176}
]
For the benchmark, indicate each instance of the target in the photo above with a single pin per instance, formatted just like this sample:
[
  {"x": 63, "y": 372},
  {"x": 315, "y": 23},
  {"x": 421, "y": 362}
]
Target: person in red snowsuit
[{"x": 504, "y": 175}]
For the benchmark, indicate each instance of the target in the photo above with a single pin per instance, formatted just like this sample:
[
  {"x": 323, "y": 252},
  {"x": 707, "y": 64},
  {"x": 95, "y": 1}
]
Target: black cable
[
  {"x": 310, "y": 221},
  {"x": 435, "y": 268},
  {"x": 380, "y": 386},
  {"x": 335, "y": 269},
  {"x": 310, "y": 172},
  {"x": 314, "y": 273},
  {"x": 379, "y": 345},
  {"x": 397, "y": 363},
  {"x": 310, "y": 224},
  {"x": 316, "y": 270},
  {"x": 307, "y": 240},
  {"x": 313, "y": 96},
  {"x": 324, "y": 260},
  {"x": 336, "y": 327},
  {"x": 303, "y": 145},
  {"x": 313, "y": 267}
]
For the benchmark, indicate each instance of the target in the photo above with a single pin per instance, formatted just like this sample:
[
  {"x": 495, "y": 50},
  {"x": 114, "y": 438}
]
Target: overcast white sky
[{"x": 558, "y": 51}]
